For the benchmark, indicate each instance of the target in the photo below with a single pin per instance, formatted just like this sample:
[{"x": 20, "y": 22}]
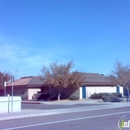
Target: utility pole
[
  {"x": 4, "y": 88},
  {"x": 12, "y": 80}
]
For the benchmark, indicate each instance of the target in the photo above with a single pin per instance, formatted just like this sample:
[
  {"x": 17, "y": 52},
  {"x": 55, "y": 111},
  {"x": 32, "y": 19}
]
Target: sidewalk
[
  {"x": 35, "y": 113},
  {"x": 65, "y": 102}
]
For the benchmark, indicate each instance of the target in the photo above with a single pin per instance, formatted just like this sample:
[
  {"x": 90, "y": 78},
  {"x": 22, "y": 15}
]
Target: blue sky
[{"x": 92, "y": 33}]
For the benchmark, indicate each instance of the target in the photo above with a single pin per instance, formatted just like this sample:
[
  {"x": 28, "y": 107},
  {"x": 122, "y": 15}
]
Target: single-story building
[
  {"x": 98, "y": 83},
  {"x": 27, "y": 87}
]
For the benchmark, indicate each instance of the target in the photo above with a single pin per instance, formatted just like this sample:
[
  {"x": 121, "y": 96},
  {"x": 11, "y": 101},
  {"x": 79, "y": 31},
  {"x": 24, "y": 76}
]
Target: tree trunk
[
  {"x": 59, "y": 93},
  {"x": 58, "y": 96}
]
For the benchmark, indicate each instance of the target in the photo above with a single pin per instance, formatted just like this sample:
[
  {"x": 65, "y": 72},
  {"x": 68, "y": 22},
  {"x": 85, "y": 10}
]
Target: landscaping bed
[{"x": 107, "y": 97}]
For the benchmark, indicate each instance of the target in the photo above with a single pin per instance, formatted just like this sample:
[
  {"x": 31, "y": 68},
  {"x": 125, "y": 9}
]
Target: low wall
[{"x": 7, "y": 106}]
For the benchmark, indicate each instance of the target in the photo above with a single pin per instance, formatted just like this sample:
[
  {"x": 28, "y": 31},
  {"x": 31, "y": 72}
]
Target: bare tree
[
  {"x": 61, "y": 76},
  {"x": 121, "y": 75},
  {"x": 4, "y": 77}
]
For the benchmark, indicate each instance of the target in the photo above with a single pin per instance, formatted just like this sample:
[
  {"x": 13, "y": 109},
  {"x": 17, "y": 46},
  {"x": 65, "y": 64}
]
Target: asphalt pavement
[{"x": 97, "y": 119}]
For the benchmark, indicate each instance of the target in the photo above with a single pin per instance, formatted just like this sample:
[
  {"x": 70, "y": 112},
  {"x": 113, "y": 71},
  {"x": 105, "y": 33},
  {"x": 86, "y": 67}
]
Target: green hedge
[
  {"x": 110, "y": 99},
  {"x": 100, "y": 95},
  {"x": 117, "y": 94}
]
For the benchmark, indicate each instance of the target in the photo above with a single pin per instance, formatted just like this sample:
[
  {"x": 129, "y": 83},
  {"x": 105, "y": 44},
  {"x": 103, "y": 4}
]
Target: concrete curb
[
  {"x": 61, "y": 102},
  {"x": 31, "y": 102}
]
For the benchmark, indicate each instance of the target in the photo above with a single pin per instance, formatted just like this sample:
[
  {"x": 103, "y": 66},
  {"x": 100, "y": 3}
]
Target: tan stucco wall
[
  {"x": 71, "y": 91},
  {"x": 68, "y": 91},
  {"x": 18, "y": 91}
]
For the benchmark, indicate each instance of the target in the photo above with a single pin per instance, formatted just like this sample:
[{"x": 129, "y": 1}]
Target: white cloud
[{"x": 24, "y": 58}]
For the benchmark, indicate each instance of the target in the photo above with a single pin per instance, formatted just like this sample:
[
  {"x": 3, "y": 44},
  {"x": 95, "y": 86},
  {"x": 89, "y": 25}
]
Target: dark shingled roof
[
  {"x": 92, "y": 79},
  {"x": 31, "y": 81},
  {"x": 96, "y": 79}
]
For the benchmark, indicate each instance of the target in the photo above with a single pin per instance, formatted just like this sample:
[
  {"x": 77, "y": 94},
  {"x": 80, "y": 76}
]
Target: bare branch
[
  {"x": 60, "y": 76},
  {"x": 4, "y": 77}
]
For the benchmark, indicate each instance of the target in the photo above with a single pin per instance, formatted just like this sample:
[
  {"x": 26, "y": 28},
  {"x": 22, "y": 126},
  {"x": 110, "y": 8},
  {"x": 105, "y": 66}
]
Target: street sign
[
  {"x": 12, "y": 78},
  {"x": 4, "y": 84}
]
